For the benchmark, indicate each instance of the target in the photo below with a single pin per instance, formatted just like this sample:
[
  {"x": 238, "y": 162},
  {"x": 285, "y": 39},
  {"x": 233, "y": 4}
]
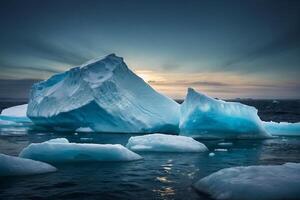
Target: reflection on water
[
  {"x": 157, "y": 176},
  {"x": 165, "y": 192}
]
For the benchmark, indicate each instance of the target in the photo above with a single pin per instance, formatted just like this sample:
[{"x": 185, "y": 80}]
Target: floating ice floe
[
  {"x": 225, "y": 144},
  {"x": 205, "y": 117},
  {"x": 282, "y": 128},
  {"x": 211, "y": 154},
  {"x": 104, "y": 95},
  {"x": 15, "y": 166},
  {"x": 221, "y": 150},
  {"x": 165, "y": 143},
  {"x": 253, "y": 182},
  {"x": 84, "y": 130},
  {"x": 60, "y": 150}
]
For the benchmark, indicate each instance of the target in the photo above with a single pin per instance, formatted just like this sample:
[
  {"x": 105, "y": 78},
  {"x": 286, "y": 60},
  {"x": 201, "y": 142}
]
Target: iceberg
[
  {"x": 165, "y": 143},
  {"x": 104, "y": 95},
  {"x": 253, "y": 182},
  {"x": 15, "y": 111},
  {"x": 15, "y": 114},
  {"x": 282, "y": 128},
  {"x": 205, "y": 117},
  {"x": 15, "y": 166},
  {"x": 60, "y": 150}
]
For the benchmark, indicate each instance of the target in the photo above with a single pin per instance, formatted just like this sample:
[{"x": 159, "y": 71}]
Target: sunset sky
[{"x": 227, "y": 49}]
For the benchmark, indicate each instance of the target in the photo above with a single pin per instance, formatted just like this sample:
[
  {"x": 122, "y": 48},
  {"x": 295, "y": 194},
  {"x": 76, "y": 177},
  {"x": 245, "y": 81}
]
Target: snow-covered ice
[
  {"x": 205, "y": 117},
  {"x": 15, "y": 114},
  {"x": 253, "y": 182},
  {"x": 15, "y": 111},
  {"x": 104, "y": 95},
  {"x": 60, "y": 150},
  {"x": 15, "y": 166},
  {"x": 165, "y": 143},
  {"x": 282, "y": 128}
]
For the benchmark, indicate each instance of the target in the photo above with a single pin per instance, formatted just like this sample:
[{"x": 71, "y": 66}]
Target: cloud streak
[{"x": 290, "y": 40}]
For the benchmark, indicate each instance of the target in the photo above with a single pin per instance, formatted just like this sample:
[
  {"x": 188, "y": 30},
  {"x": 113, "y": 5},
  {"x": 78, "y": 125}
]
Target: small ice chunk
[
  {"x": 211, "y": 154},
  {"x": 15, "y": 166},
  {"x": 253, "y": 182},
  {"x": 84, "y": 129},
  {"x": 221, "y": 150},
  {"x": 165, "y": 143},
  {"x": 86, "y": 139},
  {"x": 282, "y": 128},
  {"x": 225, "y": 144},
  {"x": 58, "y": 140},
  {"x": 60, "y": 150}
]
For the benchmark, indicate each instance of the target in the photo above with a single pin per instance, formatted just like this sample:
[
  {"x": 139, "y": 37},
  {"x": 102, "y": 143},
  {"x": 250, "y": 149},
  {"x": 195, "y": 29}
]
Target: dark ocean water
[{"x": 157, "y": 176}]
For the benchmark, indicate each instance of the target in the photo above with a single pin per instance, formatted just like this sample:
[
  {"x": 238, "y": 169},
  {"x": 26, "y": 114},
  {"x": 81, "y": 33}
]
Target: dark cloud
[
  {"x": 49, "y": 50},
  {"x": 19, "y": 66},
  {"x": 15, "y": 89}
]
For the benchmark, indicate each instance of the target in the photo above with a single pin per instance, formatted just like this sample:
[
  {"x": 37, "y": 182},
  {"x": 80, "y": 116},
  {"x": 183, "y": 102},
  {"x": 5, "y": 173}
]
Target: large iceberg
[
  {"x": 205, "y": 117},
  {"x": 105, "y": 96},
  {"x": 15, "y": 166},
  {"x": 60, "y": 150},
  {"x": 253, "y": 182},
  {"x": 282, "y": 128},
  {"x": 165, "y": 143}
]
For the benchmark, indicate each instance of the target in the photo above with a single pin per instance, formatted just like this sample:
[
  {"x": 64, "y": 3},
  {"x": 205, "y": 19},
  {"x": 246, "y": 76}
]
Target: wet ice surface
[{"x": 157, "y": 176}]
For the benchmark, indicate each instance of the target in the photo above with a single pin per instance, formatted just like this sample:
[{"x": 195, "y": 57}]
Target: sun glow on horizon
[{"x": 216, "y": 84}]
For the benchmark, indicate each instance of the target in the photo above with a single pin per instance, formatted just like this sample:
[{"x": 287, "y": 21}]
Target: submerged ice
[
  {"x": 105, "y": 96},
  {"x": 205, "y": 117},
  {"x": 60, "y": 150},
  {"x": 15, "y": 166},
  {"x": 253, "y": 182},
  {"x": 165, "y": 143}
]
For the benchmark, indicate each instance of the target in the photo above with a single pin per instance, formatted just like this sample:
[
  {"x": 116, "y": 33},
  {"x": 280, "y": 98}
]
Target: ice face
[
  {"x": 60, "y": 150},
  {"x": 205, "y": 117},
  {"x": 105, "y": 96},
  {"x": 15, "y": 166},
  {"x": 282, "y": 128},
  {"x": 254, "y": 182},
  {"x": 165, "y": 143}
]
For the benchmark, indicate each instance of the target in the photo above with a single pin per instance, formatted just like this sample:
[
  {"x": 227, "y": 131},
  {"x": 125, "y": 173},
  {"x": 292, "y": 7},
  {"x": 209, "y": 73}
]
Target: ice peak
[
  {"x": 114, "y": 57},
  {"x": 191, "y": 91},
  {"x": 111, "y": 58},
  {"x": 192, "y": 94}
]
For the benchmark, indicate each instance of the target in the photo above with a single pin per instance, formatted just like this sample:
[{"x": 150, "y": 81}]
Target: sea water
[{"x": 157, "y": 176}]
